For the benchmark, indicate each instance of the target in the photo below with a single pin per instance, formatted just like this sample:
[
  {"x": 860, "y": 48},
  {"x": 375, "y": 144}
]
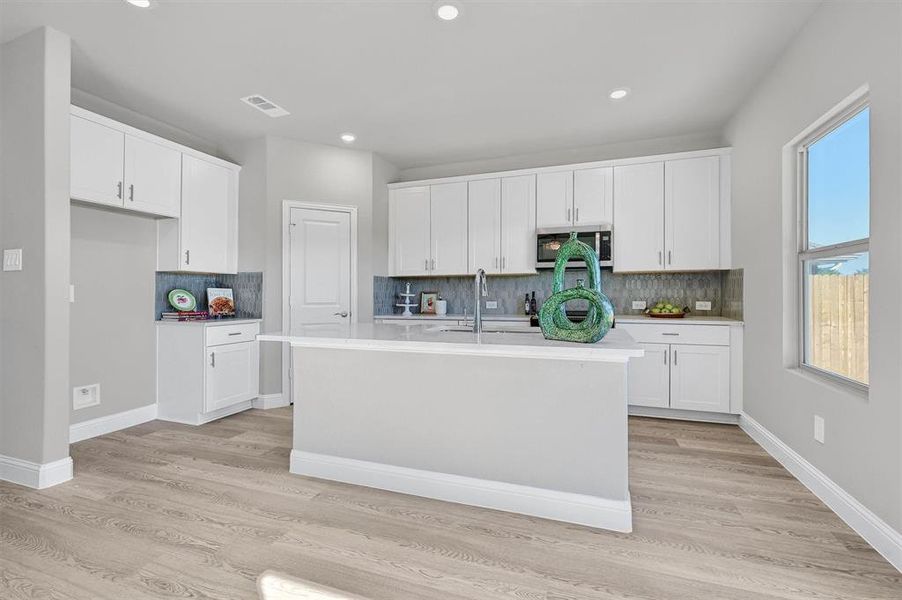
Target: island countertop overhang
[{"x": 616, "y": 346}]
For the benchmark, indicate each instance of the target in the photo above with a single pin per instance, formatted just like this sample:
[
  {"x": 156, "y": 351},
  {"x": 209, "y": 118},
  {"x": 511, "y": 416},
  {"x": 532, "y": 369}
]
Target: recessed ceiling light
[
  {"x": 619, "y": 93},
  {"x": 140, "y": 3},
  {"x": 447, "y": 11},
  {"x": 348, "y": 138}
]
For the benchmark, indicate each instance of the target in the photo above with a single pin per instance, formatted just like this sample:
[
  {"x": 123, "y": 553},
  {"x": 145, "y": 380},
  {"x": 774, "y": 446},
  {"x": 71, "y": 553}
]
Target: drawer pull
[
  {"x": 669, "y": 333},
  {"x": 235, "y": 333},
  {"x": 213, "y": 359}
]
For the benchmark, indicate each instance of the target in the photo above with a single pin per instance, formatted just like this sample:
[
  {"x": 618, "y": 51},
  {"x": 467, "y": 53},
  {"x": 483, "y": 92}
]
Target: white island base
[{"x": 522, "y": 425}]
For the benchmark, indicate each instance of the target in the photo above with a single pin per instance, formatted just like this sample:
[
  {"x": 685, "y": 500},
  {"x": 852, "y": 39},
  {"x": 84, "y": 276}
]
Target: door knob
[{"x": 342, "y": 314}]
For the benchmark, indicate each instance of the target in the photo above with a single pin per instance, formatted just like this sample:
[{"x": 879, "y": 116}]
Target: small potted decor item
[
  {"x": 667, "y": 310},
  {"x": 220, "y": 302},
  {"x": 427, "y": 302}
]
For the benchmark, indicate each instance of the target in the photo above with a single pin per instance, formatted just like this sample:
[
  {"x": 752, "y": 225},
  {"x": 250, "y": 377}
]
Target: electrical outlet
[
  {"x": 819, "y": 428},
  {"x": 491, "y": 304},
  {"x": 702, "y": 305},
  {"x": 12, "y": 260},
  {"x": 639, "y": 305},
  {"x": 85, "y": 396}
]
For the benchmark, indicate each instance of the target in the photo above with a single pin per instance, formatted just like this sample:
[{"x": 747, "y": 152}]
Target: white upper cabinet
[
  {"x": 448, "y": 226},
  {"x": 96, "y": 163},
  {"x": 153, "y": 177},
  {"x": 692, "y": 213},
  {"x": 518, "y": 224},
  {"x": 554, "y": 199},
  {"x": 409, "y": 238},
  {"x": 639, "y": 221},
  {"x": 593, "y": 196},
  {"x": 206, "y": 235},
  {"x": 485, "y": 225}
]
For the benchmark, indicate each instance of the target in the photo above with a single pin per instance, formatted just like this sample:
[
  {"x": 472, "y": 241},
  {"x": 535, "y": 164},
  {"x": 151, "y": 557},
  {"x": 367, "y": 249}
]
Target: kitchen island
[{"x": 505, "y": 420}]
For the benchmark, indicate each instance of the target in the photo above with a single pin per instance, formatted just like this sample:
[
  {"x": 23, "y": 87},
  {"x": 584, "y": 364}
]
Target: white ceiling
[{"x": 505, "y": 78}]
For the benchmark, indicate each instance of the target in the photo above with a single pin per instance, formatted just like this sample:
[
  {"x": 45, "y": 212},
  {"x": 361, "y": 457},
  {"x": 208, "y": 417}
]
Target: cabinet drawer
[
  {"x": 231, "y": 334},
  {"x": 661, "y": 333}
]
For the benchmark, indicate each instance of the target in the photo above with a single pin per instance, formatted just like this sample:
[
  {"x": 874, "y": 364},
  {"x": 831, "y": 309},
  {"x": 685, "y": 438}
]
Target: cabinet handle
[
  {"x": 665, "y": 358},
  {"x": 213, "y": 359},
  {"x": 674, "y": 357},
  {"x": 433, "y": 264},
  {"x": 503, "y": 262},
  {"x": 119, "y": 190},
  {"x": 568, "y": 215},
  {"x": 577, "y": 214},
  {"x": 426, "y": 264},
  {"x": 131, "y": 192},
  {"x": 669, "y": 333},
  {"x": 660, "y": 258},
  {"x": 669, "y": 258},
  {"x": 187, "y": 257},
  {"x": 235, "y": 333},
  {"x": 496, "y": 262}
]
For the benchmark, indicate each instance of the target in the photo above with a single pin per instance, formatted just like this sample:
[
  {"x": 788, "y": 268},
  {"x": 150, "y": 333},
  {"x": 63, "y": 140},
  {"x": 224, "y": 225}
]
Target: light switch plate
[
  {"x": 12, "y": 259},
  {"x": 491, "y": 304},
  {"x": 819, "y": 429},
  {"x": 702, "y": 305},
  {"x": 85, "y": 396},
  {"x": 639, "y": 305}
]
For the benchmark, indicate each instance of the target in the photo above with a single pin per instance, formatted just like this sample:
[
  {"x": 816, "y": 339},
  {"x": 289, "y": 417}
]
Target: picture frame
[{"x": 427, "y": 302}]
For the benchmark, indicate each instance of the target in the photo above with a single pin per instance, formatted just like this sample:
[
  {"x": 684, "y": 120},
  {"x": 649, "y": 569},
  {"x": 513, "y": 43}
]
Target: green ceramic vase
[{"x": 553, "y": 316}]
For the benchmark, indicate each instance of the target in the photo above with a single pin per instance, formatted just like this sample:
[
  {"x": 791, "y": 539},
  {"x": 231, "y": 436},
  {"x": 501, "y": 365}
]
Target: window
[{"x": 833, "y": 254}]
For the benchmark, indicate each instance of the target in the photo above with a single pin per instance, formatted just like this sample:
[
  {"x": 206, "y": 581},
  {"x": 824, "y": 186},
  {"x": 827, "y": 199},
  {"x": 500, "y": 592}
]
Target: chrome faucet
[{"x": 479, "y": 291}]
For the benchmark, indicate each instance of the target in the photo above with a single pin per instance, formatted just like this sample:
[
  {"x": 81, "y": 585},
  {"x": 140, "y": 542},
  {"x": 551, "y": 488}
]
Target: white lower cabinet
[
  {"x": 206, "y": 370},
  {"x": 686, "y": 367},
  {"x": 649, "y": 377}
]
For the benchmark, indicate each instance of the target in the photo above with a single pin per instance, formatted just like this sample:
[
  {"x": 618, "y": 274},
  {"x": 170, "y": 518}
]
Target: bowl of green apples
[{"x": 667, "y": 310}]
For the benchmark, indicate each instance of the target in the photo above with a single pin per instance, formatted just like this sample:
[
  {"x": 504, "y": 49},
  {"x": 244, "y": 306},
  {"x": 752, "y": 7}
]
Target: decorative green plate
[{"x": 182, "y": 300}]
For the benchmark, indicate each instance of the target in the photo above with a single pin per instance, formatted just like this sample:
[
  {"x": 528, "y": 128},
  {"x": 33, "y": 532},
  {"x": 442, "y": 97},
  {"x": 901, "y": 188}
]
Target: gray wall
[
  {"x": 383, "y": 173},
  {"x": 685, "y": 143},
  {"x": 34, "y": 216},
  {"x": 843, "y": 47},
  {"x": 112, "y": 340}
]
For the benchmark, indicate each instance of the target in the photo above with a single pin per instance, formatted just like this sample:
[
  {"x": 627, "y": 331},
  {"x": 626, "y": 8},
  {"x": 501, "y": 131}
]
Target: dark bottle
[
  {"x": 533, "y": 311},
  {"x": 526, "y": 305}
]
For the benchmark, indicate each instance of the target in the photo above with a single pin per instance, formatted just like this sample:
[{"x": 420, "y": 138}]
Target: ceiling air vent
[{"x": 265, "y": 106}]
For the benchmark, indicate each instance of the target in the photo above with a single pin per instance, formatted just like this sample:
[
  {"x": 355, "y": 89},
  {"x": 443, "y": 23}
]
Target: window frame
[{"x": 805, "y": 253}]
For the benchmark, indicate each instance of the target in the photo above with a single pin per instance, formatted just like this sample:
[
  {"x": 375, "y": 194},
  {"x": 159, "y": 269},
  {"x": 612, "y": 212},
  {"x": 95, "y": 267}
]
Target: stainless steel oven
[{"x": 549, "y": 241}]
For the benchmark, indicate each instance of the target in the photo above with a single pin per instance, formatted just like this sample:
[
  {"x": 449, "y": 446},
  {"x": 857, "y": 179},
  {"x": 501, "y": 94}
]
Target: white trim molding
[
  {"x": 569, "y": 507},
  {"x": 110, "y": 423},
  {"x": 875, "y": 531},
  {"x": 268, "y": 401},
  {"x": 35, "y": 475}
]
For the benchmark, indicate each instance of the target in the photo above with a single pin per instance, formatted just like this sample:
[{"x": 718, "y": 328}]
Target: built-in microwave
[{"x": 549, "y": 241}]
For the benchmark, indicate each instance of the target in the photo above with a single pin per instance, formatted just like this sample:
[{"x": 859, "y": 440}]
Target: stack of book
[{"x": 188, "y": 315}]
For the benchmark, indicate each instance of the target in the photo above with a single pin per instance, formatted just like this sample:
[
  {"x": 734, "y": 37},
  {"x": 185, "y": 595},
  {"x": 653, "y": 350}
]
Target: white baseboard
[
  {"x": 549, "y": 504},
  {"x": 875, "y": 531},
  {"x": 35, "y": 475},
  {"x": 103, "y": 425},
  {"x": 267, "y": 401},
  {"x": 683, "y": 415}
]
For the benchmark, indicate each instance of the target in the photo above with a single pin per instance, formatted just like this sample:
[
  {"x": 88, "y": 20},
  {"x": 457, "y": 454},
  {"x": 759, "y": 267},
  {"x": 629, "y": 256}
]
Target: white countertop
[
  {"x": 452, "y": 317},
  {"x": 617, "y": 345},
  {"x": 209, "y": 322}
]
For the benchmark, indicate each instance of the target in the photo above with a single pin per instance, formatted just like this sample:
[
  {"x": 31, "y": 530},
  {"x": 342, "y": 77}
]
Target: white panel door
[
  {"x": 153, "y": 177},
  {"x": 409, "y": 224},
  {"x": 448, "y": 226},
  {"x": 700, "y": 377},
  {"x": 554, "y": 199},
  {"x": 320, "y": 270},
  {"x": 649, "y": 377},
  {"x": 232, "y": 374},
  {"x": 518, "y": 224},
  {"x": 593, "y": 196},
  {"x": 692, "y": 213},
  {"x": 204, "y": 222},
  {"x": 639, "y": 210},
  {"x": 96, "y": 163},
  {"x": 485, "y": 225}
]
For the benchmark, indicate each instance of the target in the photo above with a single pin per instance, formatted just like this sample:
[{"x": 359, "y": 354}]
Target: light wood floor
[{"x": 165, "y": 510}]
